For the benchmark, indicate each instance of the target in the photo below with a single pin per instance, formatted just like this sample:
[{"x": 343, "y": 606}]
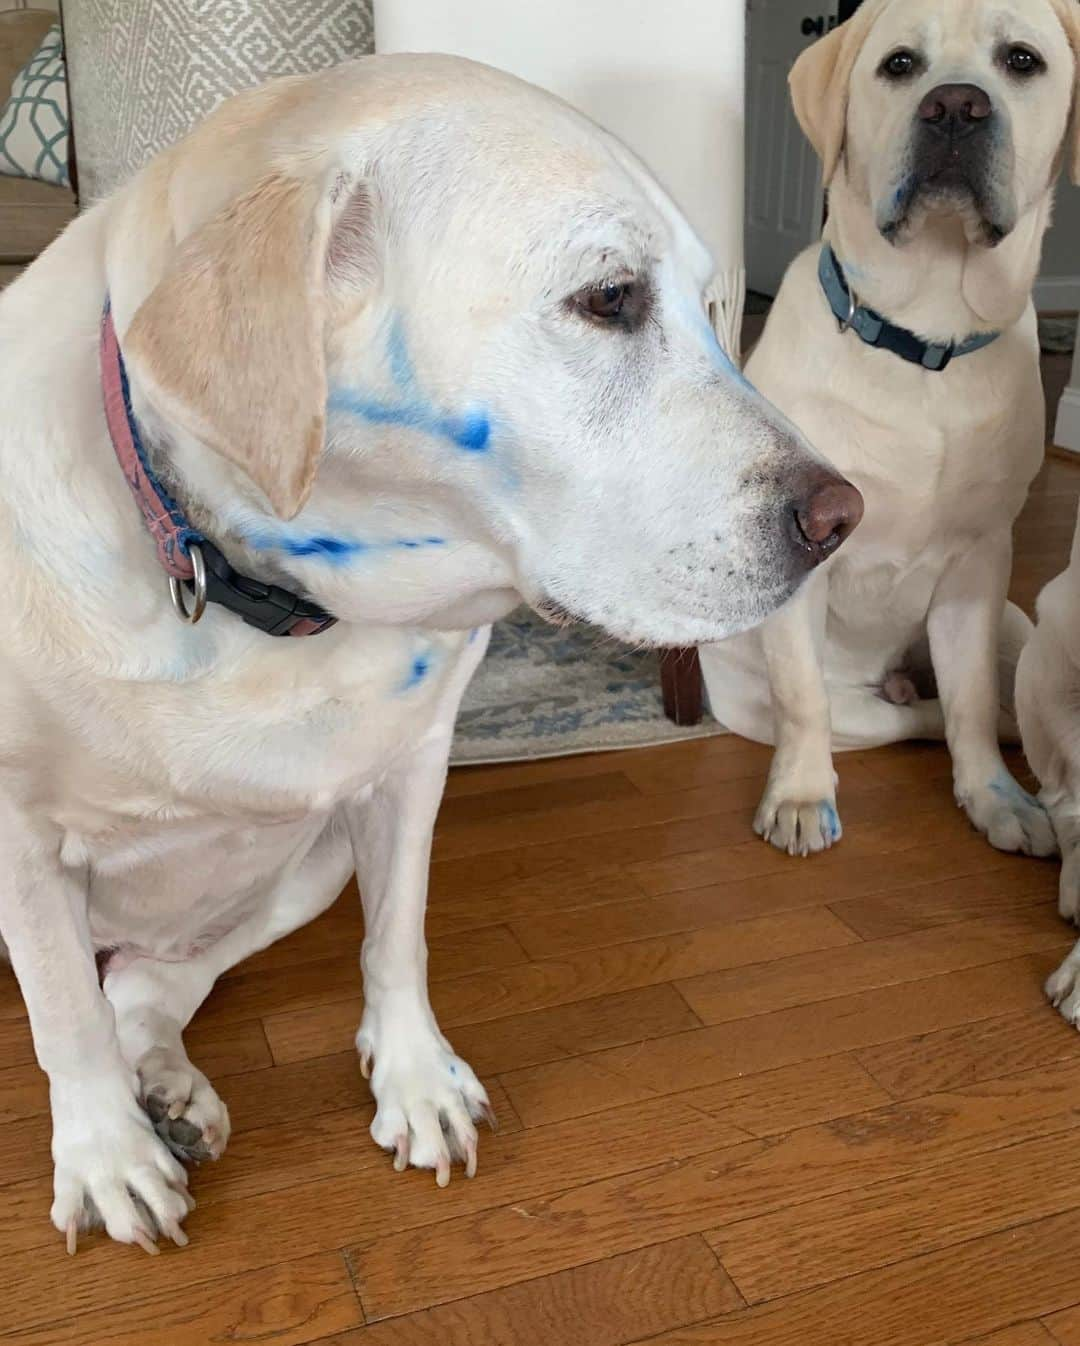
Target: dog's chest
[{"x": 272, "y": 738}]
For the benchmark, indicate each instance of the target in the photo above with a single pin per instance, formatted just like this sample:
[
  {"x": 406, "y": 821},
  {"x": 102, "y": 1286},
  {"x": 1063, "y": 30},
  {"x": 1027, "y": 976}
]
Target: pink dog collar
[{"x": 180, "y": 547}]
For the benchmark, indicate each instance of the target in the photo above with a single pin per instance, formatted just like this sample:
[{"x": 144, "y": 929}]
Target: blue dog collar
[{"x": 877, "y": 331}]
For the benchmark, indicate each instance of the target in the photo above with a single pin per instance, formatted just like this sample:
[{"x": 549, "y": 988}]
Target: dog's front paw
[
  {"x": 112, "y": 1170},
  {"x": 428, "y": 1099},
  {"x": 1009, "y": 818},
  {"x": 183, "y": 1105},
  {"x": 799, "y": 828},
  {"x": 1063, "y": 988}
]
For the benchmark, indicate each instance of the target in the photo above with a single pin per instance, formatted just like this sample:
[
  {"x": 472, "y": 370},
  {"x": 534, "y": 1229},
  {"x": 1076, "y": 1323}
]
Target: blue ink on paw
[
  {"x": 1008, "y": 789},
  {"x": 830, "y": 821}
]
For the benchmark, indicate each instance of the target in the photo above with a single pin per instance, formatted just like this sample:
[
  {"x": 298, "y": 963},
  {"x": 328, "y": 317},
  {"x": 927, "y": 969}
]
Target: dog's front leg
[
  {"x": 428, "y": 1098},
  {"x": 964, "y": 626},
  {"x": 109, "y": 1166},
  {"x": 798, "y": 811}
]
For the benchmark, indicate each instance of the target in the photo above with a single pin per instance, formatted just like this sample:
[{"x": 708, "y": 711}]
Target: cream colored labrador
[
  {"x": 907, "y": 350},
  {"x": 364, "y": 360}
]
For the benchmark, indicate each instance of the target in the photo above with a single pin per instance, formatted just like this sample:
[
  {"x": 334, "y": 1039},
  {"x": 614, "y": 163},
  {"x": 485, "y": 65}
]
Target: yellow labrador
[
  {"x": 364, "y": 360},
  {"x": 907, "y": 349}
]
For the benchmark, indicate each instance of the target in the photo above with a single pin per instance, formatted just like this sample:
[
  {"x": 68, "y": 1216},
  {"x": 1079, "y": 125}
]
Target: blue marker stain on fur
[
  {"x": 470, "y": 432},
  {"x": 419, "y": 671},
  {"x": 337, "y": 551},
  {"x": 421, "y": 663},
  {"x": 1006, "y": 788},
  {"x": 718, "y": 357},
  {"x": 830, "y": 821}
]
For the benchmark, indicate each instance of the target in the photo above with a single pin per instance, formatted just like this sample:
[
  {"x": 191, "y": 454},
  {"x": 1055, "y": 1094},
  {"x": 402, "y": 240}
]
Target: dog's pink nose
[
  {"x": 829, "y": 513},
  {"x": 955, "y": 106}
]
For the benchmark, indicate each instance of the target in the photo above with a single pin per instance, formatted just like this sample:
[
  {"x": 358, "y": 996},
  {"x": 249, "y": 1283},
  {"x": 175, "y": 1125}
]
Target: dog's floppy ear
[
  {"x": 1068, "y": 11},
  {"x": 230, "y": 341},
  {"x": 819, "y": 84}
]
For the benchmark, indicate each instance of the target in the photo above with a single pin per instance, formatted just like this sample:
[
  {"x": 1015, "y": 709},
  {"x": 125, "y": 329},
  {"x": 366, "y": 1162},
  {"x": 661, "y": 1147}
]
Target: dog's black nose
[
  {"x": 955, "y": 108},
  {"x": 828, "y": 513}
]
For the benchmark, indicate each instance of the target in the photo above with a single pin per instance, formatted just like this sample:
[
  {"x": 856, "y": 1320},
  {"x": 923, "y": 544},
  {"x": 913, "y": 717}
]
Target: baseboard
[
  {"x": 1057, "y": 294},
  {"x": 1067, "y": 432}
]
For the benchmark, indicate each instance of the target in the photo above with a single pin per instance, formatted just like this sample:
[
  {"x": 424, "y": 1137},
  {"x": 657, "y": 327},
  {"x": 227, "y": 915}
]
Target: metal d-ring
[
  {"x": 853, "y": 307},
  {"x": 176, "y": 588}
]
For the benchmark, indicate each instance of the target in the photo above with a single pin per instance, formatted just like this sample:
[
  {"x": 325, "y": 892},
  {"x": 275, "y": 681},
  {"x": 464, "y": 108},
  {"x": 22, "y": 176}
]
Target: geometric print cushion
[{"x": 34, "y": 120}]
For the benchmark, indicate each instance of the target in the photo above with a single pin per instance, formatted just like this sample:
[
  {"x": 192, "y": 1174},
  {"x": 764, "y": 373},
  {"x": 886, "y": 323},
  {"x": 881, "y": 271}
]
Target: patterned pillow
[{"x": 34, "y": 121}]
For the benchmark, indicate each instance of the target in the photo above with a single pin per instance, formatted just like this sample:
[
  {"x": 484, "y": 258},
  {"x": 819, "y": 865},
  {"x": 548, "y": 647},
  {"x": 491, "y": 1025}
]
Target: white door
[{"x": 784, "y": 197}]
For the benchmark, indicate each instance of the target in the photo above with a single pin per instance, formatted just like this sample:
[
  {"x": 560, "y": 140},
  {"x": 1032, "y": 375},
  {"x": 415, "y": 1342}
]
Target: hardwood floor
[{"x": 742, "y": 1099}]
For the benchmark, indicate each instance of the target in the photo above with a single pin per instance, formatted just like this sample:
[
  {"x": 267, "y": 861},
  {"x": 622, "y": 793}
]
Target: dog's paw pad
[
  {"x": 799, "y": 828},
  {"x": 184, "y": 1107}
]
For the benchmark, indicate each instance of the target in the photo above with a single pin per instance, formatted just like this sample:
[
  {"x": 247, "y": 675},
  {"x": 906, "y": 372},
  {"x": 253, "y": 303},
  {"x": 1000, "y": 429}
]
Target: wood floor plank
[
  {"x": 363, "y": 1200},
  {"x": 289, "y": 1304},
  {"x": 580, "y": 976},
  {"x": 721, "y": 806},
  {"x": 512, "y": 1041},
  {"x": 648, "y": 962},
  {"x": 724, "y": 806},
  {"x": 1023, "y": 1334},
  {"x": 565, "y": 887},
  {"x": 605, "y": 1303},
  {"x": 805, "y": 978},
  {"x": 24, "y": 1092},
  {"x": 894, "y": 898},
  {"x": 924, "y": 1302},
  {"x": 664, "y": 864},
  {"x": 1064, "y": 1327},
  {"x": 760, "y": 1104},
  {"x": 1000, "y": 890},
  {"x": 403, "y": 1272},
  {"x": 820, "y": 1241},
  {"x": 517, "y": 799},
  {"x": 666, "y": 856},
  {"x": 245, "y": 994},
  {"x": 983, "y": 1051},
  {"x": 702, "y": 1057}
]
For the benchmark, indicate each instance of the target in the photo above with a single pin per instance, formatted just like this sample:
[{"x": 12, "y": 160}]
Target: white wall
[
  {"x": 54, "y": 5},
  {"x": 1059, "y": 283}
]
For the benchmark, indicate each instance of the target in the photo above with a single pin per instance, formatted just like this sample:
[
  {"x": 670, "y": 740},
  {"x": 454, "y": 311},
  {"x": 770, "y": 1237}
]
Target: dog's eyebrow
[
  {"x": 1007, "y": 24},
  {"x": 603, "y": 248}
]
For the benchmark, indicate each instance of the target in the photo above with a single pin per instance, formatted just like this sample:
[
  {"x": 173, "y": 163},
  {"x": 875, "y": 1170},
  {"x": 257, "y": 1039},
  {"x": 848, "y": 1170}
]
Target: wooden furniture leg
[{"x": 680, "y": 678}]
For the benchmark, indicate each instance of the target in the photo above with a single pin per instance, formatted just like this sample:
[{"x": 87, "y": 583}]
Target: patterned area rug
[{"x": 546, "y": 691}]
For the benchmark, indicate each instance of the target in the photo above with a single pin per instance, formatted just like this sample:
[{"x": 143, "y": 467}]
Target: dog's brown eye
[
  {"x": 900, "y": 64},
  {"x": 1022, "y": 61},
  {"x": 606, "y": 301}
]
